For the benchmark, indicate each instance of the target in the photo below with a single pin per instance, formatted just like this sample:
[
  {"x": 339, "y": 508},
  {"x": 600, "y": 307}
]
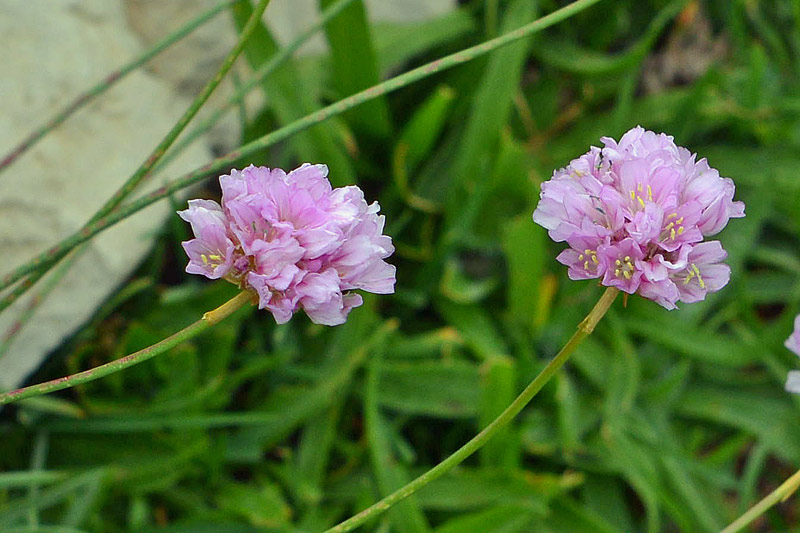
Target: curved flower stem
[
  {"x": 780, "y": 494},
  {"x": 209, "y": 319},
  {"x": 145, "y": 168},
  {"x": 584, "y": 329},
  {"x": 108, "y": 81},
  {"x": 46, "y": 259}
]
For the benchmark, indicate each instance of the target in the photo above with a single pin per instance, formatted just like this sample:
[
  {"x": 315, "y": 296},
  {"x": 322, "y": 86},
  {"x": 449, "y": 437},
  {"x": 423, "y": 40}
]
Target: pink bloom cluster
[
  {"x": 293, "y": 240},
  {"x": 635, "y": 214},
  {"x": 793, "y": 343}
]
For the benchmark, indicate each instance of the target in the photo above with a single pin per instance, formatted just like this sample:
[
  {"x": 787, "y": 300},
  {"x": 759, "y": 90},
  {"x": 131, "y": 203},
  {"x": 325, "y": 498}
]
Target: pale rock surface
[{"x": 52, "y": 51}]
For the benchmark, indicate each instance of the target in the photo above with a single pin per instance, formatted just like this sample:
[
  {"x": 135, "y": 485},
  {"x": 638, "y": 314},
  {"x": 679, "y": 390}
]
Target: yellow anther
[
  {"x": 580, "y": 257},
  {"x": 586, "y": 265},
  {"x": 649, "y": 193},
  {"x": 627, "y": 274},
  {"x": 594, "y": 259},
  {"x": 679, "y": 221},
  {"x": 588, "y": 251},
  {"x": 688, "y": 278},
  {"x": 628, "y": 259},
  {"x": 673, "y": 215},
  {"x": 680, "y": 230},
  {"x": 639, "y": 187},
  {"x": 616, "y": 272},
  {"x": 633, "y": 195},
  {"x": 672, "y": 234},
  {"x": 204, "y": 257},
  {"x": 618, "y": 262},
  {"x": 215, "y": 257},
  {"x": 671, "y": 224},
  {"x": 699, "y": 277},
  {"x": 641, "y": 202}
]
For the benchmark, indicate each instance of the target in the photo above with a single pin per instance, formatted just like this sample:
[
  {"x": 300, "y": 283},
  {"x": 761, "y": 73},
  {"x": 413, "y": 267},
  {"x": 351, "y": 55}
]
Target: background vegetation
[{"x": 663, "y": 421}]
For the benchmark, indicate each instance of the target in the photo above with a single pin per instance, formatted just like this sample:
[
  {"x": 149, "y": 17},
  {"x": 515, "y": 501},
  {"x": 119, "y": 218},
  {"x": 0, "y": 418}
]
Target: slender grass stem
[
  {"x": 208, "y": 320},
  {"x": 780, "y": 494},
  {"x": 257, "y": 78},
  {"x": 144, "y": 170},
  {"x": 584, "y": 329},
  {"x": 107, "y": 82},
  {"x": 47, "y": 258}
]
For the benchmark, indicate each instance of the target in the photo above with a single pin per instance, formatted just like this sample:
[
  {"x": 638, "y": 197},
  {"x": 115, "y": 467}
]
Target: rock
[{"x": 55, "y": 187}]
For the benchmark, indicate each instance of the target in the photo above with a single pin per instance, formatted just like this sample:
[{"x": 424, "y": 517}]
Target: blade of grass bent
[
  {"x": 47, "y": 258},
  {"x": 354, "y": 62},
  {"x": 289, "y": 104},
  {"x": 108, "y": 81},
  {"x": 258, "y": 78}
]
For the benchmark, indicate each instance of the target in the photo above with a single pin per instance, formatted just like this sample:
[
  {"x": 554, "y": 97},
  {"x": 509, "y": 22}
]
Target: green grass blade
[
  {"x": 319, "y": 144},
  {"x": 489, "y": 111},
  {"x": 566, "y": 55},
  {"x": 498, "y": 388},
  {"x": 354, "y": 67},
  {"x": 389, "y": 473}
]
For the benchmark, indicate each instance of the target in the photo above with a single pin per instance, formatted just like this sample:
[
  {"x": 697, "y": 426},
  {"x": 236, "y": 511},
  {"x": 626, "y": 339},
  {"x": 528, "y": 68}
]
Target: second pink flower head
[{"x": 635, "y": 214}]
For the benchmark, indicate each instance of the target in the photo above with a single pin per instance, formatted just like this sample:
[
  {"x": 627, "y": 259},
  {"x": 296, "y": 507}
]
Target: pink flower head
[
  {"x": 793, "y": 343},
  {"x": 635, "y": 214},
  {"x": 293, "y": 240}
]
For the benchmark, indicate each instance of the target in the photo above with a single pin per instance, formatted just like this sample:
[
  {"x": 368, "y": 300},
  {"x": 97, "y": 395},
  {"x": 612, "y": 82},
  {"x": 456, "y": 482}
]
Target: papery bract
[
  {"x": 293, "y": 240},
  {"x": 635, "y": 214}
]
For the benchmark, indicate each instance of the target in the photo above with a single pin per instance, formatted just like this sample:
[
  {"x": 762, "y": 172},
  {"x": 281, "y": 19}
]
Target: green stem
[
  {"x": 778, "y": 495},
  {"x": 144, "y": 170},
  {"x": 108, "y": 81},
  {"x": 258, "y": 78},
  {"x": 208, "y": 320},
  {"x": 584, "y": 329},
  {"x": 47, "y": 258}
]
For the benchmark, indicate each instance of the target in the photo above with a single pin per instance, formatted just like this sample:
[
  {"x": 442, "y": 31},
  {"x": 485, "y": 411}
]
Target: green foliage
[{"x": 662, "y": 421}]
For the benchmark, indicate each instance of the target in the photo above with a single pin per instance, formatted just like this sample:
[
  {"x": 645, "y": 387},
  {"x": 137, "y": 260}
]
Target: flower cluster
[
  {"x": 635, "y": 214},
  {"x": 293, "y": 240},
  {"x": 793, "y": 343}
]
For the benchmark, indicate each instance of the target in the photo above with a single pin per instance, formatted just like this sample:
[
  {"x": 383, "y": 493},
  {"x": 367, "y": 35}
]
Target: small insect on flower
[
  {"x": 635, "y": 212},
  {"x": 293, "y": 240},
  {"x": 793, "y": 343}
]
